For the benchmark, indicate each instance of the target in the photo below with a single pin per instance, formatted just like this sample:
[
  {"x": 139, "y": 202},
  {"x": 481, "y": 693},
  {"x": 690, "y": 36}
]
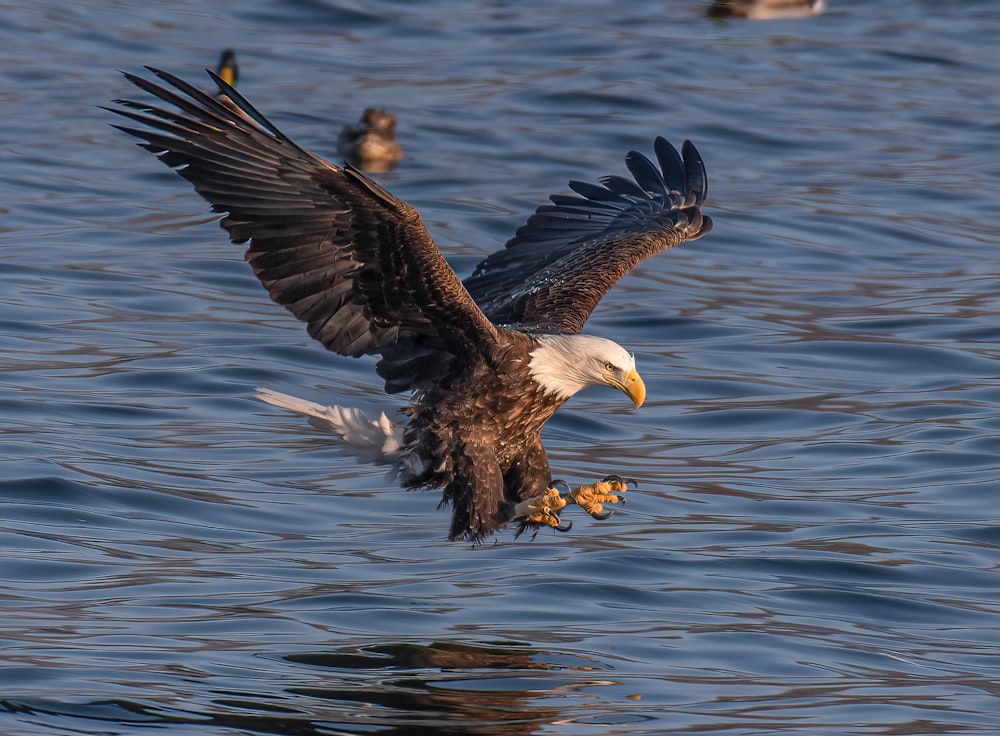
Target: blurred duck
[
  {"x": 227, "y": 70},
  {"x": 229, "y": 73},
  {"x": 371, "y": 144},
  {"x": 765, "y": 9}
]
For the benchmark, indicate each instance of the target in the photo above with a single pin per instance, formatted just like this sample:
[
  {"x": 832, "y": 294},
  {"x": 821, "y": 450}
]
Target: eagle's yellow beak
[{"x": 633, "y": 387}]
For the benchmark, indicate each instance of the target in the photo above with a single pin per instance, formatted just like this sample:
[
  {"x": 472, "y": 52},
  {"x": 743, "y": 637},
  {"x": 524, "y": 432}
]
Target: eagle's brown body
[
  {"x": 487, "y": 360},
  {"x": 486, "y": 432}
]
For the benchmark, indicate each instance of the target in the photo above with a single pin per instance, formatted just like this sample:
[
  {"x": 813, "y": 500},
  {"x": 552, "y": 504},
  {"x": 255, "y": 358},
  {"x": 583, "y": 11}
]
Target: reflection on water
[
  {"x": 443, "y": 687},
  {"x": 446, "y": 655},
  {"x": 814, "y": 541},
  {"x": 446, "y": 700}
]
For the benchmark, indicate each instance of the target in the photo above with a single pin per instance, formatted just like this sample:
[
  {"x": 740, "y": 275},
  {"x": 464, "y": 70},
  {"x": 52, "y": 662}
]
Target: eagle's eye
[{"x": 609, "y": 367}]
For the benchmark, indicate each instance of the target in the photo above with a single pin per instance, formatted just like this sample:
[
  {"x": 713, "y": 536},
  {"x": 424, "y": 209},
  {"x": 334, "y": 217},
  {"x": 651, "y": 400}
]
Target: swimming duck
[
  {"x": 765, "y": 9},
  {"x": 371, "y": 144},
  {"x": 227, "y": 69},
  {"x": 229, "y": 72}
]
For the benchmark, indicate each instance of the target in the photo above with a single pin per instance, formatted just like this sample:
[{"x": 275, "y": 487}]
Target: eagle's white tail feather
[{"x": 372, "y": 437}]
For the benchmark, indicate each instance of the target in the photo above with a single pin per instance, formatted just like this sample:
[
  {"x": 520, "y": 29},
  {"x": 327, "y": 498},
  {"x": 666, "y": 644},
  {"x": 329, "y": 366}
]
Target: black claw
[
  {"x": 562, "y": 483},
  {"x": 563, "y": 526},
  {"x": 602, "y": 515}
]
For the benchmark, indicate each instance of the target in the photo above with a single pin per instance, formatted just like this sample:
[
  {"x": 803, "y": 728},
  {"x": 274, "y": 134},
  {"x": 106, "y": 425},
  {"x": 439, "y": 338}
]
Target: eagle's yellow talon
[
  {"x": 544, "y": 509},
  {"x": 593, "y": 497}
]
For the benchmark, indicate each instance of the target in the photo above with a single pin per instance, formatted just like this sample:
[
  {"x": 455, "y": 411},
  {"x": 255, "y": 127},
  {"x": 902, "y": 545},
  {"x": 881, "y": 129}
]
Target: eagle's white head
[{"x": 564, "y": 364}]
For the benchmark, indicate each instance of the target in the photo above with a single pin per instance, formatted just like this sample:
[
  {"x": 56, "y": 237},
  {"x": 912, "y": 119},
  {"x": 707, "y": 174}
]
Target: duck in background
[
  {"x": 229, "y": 72},
  {"x": 227, "y": 69},
  {"x": 370, "y": 144},
  {"x": 765, "y": 9}
]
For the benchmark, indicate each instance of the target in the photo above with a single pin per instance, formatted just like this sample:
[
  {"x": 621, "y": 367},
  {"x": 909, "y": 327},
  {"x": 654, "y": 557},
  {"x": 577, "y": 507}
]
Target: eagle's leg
[
  {"x": 593, "y": 497},
  {"x": 544, "y": 510}
]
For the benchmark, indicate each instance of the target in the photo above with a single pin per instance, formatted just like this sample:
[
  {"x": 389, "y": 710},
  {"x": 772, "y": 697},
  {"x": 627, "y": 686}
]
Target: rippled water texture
[{"x": 813, "y": 548}]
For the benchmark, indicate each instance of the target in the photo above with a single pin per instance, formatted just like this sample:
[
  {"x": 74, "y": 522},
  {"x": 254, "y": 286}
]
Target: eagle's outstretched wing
[
  {"x": 339, "y": 251},
  {"x": 558, "y": 266}
]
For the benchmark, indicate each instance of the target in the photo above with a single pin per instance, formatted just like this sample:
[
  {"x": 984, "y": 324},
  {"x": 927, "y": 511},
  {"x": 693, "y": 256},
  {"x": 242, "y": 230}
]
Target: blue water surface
[{"x": 814, "y": 544}]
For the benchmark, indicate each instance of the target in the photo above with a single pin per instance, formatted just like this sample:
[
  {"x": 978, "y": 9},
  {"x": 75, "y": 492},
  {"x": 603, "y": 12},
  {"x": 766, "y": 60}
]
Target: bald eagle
[{"x": 487, "y": 360}]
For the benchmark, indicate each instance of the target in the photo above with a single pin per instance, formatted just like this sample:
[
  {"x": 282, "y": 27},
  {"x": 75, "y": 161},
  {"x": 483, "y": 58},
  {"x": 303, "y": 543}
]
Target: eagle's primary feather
[{"x": 487, "y": 360}]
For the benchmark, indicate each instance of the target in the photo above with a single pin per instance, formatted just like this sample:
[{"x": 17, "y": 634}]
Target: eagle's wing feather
[
  {"x": 339, "y": 251},
  {"x": 569, "y": 254}
]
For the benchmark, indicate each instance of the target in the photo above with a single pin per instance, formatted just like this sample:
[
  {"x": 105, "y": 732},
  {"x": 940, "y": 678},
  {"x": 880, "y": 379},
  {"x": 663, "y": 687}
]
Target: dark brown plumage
[{"x": 358, "y": 266}]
